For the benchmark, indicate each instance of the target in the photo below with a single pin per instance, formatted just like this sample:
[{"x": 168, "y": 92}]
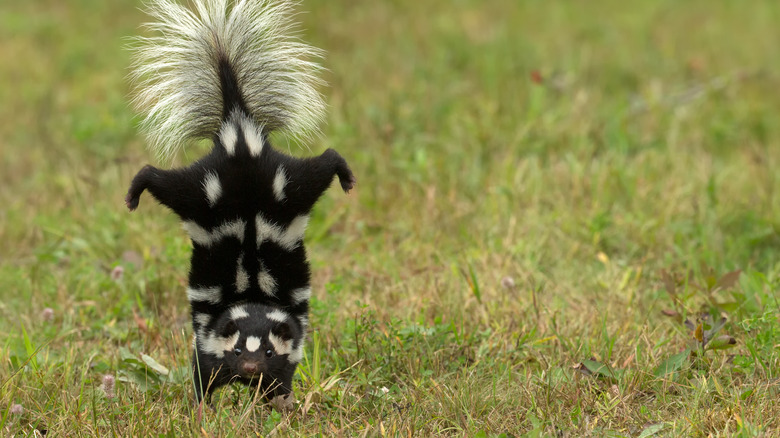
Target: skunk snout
[{"x": 250, "y": 367}]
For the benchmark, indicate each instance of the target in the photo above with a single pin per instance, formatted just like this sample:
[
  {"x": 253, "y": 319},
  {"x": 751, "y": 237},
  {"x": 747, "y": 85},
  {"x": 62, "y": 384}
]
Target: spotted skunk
[{"x": 231, "y": 72}]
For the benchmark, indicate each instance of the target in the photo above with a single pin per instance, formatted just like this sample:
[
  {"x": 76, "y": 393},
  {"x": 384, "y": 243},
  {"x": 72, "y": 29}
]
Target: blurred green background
[{"x": 526, "y": 171}]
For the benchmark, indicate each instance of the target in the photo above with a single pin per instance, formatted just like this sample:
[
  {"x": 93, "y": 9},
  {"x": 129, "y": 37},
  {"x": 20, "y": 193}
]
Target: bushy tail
[{"x": 223, "y": 55}]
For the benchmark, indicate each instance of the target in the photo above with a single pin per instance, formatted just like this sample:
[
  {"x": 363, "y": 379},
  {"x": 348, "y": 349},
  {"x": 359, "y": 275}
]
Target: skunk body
[{"x": 230, "y": 73}]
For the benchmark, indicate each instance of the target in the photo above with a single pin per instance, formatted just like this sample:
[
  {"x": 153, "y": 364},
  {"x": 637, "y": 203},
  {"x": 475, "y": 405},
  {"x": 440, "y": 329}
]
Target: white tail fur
[{"x": 176, "y": 72}]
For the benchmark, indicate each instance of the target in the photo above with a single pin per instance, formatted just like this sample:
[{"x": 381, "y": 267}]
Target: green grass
[{"x": 614, "y": 194}]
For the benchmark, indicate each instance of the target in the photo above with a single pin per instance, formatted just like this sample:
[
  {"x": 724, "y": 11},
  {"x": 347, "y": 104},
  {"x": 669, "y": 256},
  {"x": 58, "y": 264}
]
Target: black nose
[{"x": 250, "y": 367}]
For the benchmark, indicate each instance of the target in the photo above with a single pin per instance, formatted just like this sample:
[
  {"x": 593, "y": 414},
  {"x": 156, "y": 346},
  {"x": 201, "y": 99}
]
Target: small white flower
[
  {"x": 47, "y": 314},
  {"x": 17, "y": 409},
  {"x": 108, "y": 385},
  {"x": 508, "y": 282},
  {"x": 117, "y": 272},
  {"x": 384, "y": 390}
]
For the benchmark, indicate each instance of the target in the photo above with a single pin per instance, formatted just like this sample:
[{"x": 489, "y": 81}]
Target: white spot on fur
[
  {"x": 202, "y": 319},
  {"x": 228, "y": 135},
  {"x": 294, "y": 234},
  {"x": 300, "y": 295},
  {"x": 277, "y": 315},
  {"x": 212, "y": 187},
  {"x": 304, "y": 320},
  {"x": 297, "y": 354},
  {"x": 217, "y": 345},
  {"x": 234, "y": 228},
  {"x": 211, "y": 295},
  {"x": 206, "y": 238},
  {"x": 242, "y": 278},
  {"x": 280, "y": 181},
  {"x": 252, "y": 343},
  {"x": 288, "y": 238},
  {"x": 230, "y": 342},
  {"x": 197, "y": 233},
  {"x": 238, "y": 312},
  {"x": 252, "y": 136},
  {"x": 266, "y": 282},
  {"x": 266, "y": 230},
  {"x": 280, "y": 345}
]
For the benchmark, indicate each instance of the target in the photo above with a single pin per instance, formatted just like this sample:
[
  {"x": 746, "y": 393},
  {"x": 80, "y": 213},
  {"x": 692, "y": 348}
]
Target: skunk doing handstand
[{"x": 231, "y": 72}]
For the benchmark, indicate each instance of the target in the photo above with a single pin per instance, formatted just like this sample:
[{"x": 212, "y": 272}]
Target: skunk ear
[
  {"x": 229, "y": 328},
  {"x": 283, "y": 330}
]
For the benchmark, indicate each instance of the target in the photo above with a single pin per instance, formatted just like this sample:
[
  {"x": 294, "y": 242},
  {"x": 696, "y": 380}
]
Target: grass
[{"x": 551, "y": 198}]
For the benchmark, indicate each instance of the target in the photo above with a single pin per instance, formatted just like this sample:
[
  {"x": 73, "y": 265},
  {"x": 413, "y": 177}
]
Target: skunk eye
[
  {"x": 269, "y": 353},
  {"x": 237, "y": 351}
]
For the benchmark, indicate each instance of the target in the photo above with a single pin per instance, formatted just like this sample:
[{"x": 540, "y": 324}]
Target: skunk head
[{"x": 259, "y": 341}]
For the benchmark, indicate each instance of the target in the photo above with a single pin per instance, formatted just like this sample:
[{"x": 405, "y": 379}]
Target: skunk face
[
  {"x": 267, "y": 342},
  {"x": 251, "y": 343}
]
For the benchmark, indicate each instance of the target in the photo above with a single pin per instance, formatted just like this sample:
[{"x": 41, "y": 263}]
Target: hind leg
[
  {"x": 310, "y": 177},
  {"x": 340, "y": 168},
  {"x": 181, "y": 190}
]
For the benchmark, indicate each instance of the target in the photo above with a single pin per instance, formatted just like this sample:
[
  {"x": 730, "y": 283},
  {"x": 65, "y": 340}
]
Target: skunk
[{"x": 232, "y": 72}]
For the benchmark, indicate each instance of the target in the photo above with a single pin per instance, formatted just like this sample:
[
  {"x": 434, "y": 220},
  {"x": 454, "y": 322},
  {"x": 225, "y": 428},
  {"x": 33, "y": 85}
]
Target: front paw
[{"x": 284, "y": 402}]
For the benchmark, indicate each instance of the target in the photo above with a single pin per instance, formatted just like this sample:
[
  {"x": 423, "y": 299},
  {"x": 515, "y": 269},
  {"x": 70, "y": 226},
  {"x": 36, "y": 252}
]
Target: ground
[{"x": 566, "y": 223}]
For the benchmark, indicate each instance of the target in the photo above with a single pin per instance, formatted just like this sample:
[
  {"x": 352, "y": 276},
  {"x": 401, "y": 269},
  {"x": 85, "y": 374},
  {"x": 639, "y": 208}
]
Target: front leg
[
  {"x": 281, "y": 395},
  {"x": 208, "y": 375}
]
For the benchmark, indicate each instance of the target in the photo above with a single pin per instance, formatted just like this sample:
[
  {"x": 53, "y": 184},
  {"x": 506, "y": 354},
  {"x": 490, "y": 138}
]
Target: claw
[
  {"x": 131, "y": 203},
  {"x": 284, "y": 403},
  {"x": 348, "y": 184}
]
